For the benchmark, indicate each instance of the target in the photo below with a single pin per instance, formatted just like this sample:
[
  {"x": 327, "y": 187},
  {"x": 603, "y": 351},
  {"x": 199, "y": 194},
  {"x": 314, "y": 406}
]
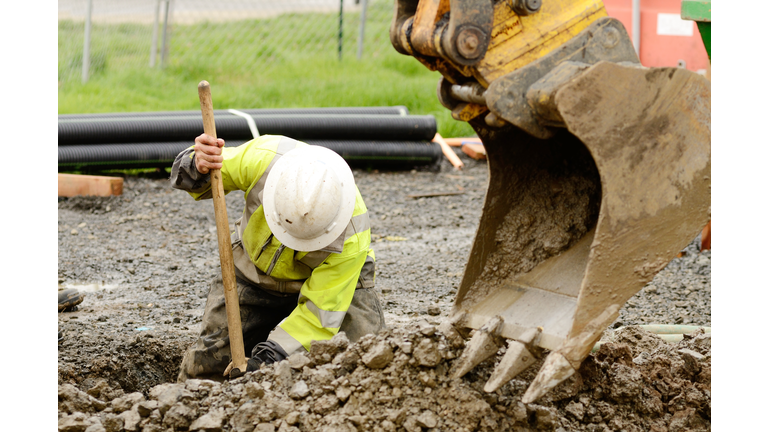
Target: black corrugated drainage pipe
[
  {"x": 233, "y": 127},
  {"x": 393, "y": 110},
  {"x": 358, "y": 154}
]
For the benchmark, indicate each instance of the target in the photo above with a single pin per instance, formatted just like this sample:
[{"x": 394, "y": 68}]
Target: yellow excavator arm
[{"x": 599, "y": 171}]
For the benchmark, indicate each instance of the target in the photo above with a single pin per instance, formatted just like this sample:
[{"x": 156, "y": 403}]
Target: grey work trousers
[{"x": 261, "y": 311}]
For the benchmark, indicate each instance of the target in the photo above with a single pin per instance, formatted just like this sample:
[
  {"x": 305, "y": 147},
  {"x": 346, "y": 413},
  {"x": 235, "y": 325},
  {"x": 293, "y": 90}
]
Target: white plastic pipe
[
  {"x": 668, "y": 332},
  {"x": 636, "y": 25}
]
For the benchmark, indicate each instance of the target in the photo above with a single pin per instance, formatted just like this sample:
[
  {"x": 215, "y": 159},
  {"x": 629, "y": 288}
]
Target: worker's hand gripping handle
[{"x": 225, "y": 247}]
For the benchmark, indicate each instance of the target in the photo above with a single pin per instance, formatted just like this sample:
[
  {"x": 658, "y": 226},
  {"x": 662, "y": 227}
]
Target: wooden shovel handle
[{"x": 225, "y": 247}]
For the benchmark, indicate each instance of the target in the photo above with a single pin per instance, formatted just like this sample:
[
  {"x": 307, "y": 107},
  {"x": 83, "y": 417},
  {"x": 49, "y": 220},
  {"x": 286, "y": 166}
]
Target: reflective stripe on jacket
[{"x": 325, "y": 279}]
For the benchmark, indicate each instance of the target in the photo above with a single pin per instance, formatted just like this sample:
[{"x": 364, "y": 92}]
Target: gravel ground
[{"x": 145, "y": 260}]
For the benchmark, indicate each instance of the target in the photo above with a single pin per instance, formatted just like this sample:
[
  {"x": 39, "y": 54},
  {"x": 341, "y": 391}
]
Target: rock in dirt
[
  {"x": 348, "y": 360},
  {"x": 131, "y": 420},
  {"x": 96, "y": 427},
  {"x": 323, "y": 352},
  {"x": 326, "y": 404},
  {"x": 686, "y": 420},
  {"x": 168, "y": 394},
  {"x": 244, "y": 417},
  {"x": 427, "y": 419},
  {"x": 343, "y": 393},
  {"x": 112, "y": 422},
  {"x": 695, "y": 355},
  {"x": 73, "y": 423},
  {"x": 298, "y": 360},
  {"x": 379, "y": 356},
  {"x": 292, "y": 418},
  {"x": 545, "y": 418},
  {"x": 576, "y": 409},
  {"x": 179, "y": 416},
  {"x": 71, "y": 400},
  {"x": 300, "y": 390},
  {"x": 145, "y": 408},
  {"x": 426, "y": 353},
  {"x": 254, "y": 390},
  {"x": 100, "y": 390},
  {"x": 126, "y": 402},
  {"x": 626, "y": 382},
  {"x": 210, "y": 422},
  {"x": 451, "y": 334},
  {"x": 282, "y": 375}
]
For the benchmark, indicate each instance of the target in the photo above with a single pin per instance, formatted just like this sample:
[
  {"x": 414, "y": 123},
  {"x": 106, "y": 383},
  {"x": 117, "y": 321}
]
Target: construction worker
[{"x": 303, "y": 263}]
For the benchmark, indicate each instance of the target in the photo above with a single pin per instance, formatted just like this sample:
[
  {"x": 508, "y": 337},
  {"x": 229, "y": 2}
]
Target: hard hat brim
[{"x": 347, "y": 206}]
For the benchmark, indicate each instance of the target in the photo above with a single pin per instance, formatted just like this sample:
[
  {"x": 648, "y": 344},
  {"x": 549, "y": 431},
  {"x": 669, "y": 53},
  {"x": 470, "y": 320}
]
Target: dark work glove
[
  {"x": 253, "y": 364},
  {"x": 264, "y": 352}
]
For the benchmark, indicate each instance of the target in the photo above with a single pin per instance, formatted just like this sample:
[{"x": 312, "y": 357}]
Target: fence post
[
  {"x": 362, "y": 29},
  {"x": 341, "y": 24},
  {"x": 87, "y": 42},
  {"x": 166, "y": 37},
  {"x": 155, "y": 27}
]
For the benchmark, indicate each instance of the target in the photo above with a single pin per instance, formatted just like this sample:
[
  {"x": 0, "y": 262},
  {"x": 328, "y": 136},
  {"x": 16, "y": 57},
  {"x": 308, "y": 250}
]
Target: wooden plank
[
  {"x": 458, "y": 142},
  {"x": 77, "y": 184},
  {"x": 475, "y": 151},
  {"x": 448, "y": 152}
]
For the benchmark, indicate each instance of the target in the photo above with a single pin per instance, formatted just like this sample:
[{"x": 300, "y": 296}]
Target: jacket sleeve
[
  {"x": 185, "y": 176},
  {"x": 242, "y": 167}
]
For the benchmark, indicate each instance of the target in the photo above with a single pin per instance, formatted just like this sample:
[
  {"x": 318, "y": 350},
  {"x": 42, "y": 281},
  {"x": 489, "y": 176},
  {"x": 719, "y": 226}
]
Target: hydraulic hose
[
  {"x": 393, "y": 154},
  {"x": 393, "y": 110},
  {"x": 233, "y": 127}
]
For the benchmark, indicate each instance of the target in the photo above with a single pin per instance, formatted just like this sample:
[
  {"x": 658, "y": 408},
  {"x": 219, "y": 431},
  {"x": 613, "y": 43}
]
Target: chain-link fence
[{"x": 99, "y": 36}]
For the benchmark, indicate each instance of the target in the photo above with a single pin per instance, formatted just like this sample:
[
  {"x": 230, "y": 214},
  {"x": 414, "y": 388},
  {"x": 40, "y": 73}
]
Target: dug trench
[{"x": 145, "y": 259}]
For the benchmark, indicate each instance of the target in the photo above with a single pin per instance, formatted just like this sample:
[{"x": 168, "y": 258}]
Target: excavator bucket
[{"x": 599, "y": 171}]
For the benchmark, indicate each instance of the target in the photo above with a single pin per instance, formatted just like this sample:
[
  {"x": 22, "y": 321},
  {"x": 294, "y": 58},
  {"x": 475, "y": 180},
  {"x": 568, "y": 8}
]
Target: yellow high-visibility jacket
[{"x": 325, "y": 280}]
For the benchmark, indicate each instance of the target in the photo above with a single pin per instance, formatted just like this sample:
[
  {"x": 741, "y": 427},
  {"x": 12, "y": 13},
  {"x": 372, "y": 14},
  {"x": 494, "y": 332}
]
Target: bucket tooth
[
  {"x": 516, "y": 360},
  {"x": 482, "y": 345},
  {"x": 521, "y": 354},
  {"x": 555, "y": 370}
]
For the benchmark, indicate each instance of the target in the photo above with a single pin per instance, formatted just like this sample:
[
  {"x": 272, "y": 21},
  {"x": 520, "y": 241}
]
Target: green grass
[{"x": 250, "y": 64}]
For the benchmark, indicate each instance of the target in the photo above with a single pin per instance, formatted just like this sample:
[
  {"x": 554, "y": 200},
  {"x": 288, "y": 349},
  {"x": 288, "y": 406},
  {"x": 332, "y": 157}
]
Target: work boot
[{"x": 69, "y": 299}]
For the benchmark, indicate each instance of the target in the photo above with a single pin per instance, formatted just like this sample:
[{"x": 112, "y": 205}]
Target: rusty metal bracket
[{"x": 468, "y": 33}]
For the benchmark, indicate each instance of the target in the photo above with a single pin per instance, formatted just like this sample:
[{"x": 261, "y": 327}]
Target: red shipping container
[{"x": 665, "y": 38}]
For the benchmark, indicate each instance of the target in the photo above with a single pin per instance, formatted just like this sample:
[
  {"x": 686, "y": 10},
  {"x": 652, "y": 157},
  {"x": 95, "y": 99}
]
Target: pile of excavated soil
[
  {"x": 145, "y": 260},
  {"x": 399, "y": 380}
]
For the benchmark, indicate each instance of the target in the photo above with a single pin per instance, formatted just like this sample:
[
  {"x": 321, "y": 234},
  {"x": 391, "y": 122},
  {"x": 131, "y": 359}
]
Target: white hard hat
[{"x": 309, "y": 198}]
